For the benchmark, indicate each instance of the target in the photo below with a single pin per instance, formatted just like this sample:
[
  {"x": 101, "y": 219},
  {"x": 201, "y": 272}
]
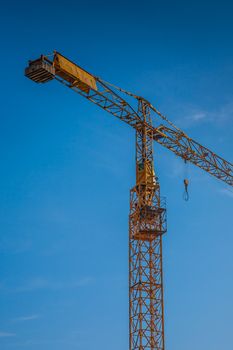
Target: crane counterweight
[{"x": 40, "y": 70}]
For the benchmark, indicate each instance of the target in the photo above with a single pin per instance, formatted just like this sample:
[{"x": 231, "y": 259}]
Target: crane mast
[
  {"x": 147, "y": 223},
  {"x": 147, "y": 217}
]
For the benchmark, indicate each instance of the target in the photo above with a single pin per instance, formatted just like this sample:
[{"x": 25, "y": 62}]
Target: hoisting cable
[
  {"x": 150, "y": 105},
  {"x": 118, "y": 88}
]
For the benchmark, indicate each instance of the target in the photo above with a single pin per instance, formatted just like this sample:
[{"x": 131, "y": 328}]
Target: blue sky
[{"x": 67, "y": 167}]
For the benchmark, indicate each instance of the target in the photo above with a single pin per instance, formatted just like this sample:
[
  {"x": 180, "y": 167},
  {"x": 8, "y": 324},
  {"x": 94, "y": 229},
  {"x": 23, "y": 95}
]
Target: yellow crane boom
[
  {"x": 102, "y": 94},
  {"x": 147, "y": 218}
]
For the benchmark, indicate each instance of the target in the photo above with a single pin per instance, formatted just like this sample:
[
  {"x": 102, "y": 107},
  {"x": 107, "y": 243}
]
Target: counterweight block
[{"x": 40, "y": 71}]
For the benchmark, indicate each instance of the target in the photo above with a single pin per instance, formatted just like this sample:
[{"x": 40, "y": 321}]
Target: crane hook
[{"x": 186, "y": 194}]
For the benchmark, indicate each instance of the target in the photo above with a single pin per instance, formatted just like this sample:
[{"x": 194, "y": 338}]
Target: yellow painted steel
[
  {"x": 79, "y": 76},
  {"x": 145, "y": 174}
]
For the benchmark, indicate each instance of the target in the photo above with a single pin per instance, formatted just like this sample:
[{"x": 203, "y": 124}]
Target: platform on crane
[{"x": 151, "y": 223}]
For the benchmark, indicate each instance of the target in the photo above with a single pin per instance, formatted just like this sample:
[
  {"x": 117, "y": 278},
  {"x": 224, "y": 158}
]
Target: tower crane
[{"x": 147, "y": 217}]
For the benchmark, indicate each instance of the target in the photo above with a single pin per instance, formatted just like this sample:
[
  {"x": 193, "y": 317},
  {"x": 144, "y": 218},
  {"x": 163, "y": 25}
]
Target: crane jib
[{"x": 99, "y": 92}]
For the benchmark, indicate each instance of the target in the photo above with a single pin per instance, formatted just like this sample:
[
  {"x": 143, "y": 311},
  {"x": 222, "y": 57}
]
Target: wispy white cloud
[
  {"x": 192, "y": 116},
  {"x": 34, "y": 284},
  {"x": 6, "y": 334},
  {"x": 196, "y": 117},
  {"x": 86, "y": 281},
  {"x": 226, "y": 192},
  {"x": 225, "y": 113},
  {"x": 45, "y": 284},
  {"x": 26, "y": 318}
]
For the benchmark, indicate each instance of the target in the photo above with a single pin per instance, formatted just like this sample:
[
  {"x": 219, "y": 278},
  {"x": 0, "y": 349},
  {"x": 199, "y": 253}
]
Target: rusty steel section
[{"x": 147, "y": 224}]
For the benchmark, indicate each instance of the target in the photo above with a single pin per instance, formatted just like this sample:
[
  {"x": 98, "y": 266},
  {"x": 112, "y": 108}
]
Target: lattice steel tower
[
  {"x": 147, "y": 218},
  {"x": 146, "y": 225}
]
